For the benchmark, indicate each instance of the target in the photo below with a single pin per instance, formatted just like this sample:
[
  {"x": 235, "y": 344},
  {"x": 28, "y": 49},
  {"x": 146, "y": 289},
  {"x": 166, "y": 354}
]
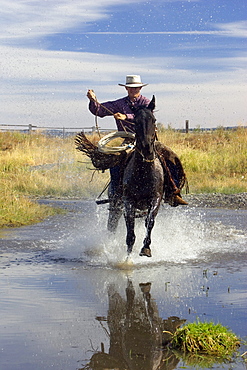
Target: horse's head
[{"x": 145, "y": 131}]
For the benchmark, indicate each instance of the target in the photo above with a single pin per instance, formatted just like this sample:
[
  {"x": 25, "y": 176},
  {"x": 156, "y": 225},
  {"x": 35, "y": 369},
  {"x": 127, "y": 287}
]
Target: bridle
[
  {"x": 143, "y": 156},
  {"x": 153, "y": 146},
  {"x": 145, "y": 159}
]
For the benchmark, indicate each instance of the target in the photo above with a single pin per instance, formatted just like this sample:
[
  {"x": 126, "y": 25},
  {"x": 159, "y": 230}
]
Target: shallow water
[{"x": 60, "y": 279}]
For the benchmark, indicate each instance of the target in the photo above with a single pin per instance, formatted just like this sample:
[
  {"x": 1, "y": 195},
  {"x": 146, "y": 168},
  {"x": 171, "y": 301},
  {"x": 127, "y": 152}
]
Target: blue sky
[{"x": 192, "y": 54}]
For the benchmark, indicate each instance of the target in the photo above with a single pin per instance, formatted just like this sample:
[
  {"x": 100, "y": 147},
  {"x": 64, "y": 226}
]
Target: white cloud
[
  {"x": 35, "y": 19},
  {"x": 49, "y": 88},
  {"x": 224, "y": 32},
  {"x": 234, "y": 29},
  {"x": 22, "y": 20}
]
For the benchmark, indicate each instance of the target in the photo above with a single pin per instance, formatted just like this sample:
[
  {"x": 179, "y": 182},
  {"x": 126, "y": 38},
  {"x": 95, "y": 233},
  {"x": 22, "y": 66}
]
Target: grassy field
[
  {"x": 214, "y": 161},
  {"x": 36, "y": 166}
]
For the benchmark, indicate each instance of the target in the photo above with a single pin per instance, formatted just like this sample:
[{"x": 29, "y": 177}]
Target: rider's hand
[
  {"x": 120, "y": 116},
  {"x": 91, "y": 95}
]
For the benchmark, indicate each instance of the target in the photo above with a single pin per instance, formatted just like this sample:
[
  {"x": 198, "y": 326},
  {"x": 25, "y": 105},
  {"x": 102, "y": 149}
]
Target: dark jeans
[
  {"x": 173, "y": 171},
  {"x": 115, "y": 178}
]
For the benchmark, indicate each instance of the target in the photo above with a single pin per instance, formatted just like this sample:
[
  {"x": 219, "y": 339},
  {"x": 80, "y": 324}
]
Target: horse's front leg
[
  {"x": 129, "y": 215},
  {"x": 149, "y": 223}
]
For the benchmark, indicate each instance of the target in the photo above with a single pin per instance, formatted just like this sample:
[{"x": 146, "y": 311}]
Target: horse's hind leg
[{"x": 130, "y": 225}]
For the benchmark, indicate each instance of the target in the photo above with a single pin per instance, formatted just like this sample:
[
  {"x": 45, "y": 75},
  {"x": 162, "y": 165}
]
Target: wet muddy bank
[
  {"x": 218, "y": 200},
  {"x": 209, "y": 200}
]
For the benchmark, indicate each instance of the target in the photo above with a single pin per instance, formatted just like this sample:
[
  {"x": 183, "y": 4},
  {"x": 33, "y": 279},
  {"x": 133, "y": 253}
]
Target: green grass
[
  {"x": 205, "y": 338},
  {"x": 18, "y": 210}
]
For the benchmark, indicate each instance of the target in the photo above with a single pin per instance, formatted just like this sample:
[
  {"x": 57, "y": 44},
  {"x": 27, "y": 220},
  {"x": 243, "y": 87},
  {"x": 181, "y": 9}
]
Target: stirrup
[{"x": 102, "y": 201}]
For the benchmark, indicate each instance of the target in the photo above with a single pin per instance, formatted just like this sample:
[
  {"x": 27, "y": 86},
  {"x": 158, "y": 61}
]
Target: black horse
[{"x": 142, "y": 184}]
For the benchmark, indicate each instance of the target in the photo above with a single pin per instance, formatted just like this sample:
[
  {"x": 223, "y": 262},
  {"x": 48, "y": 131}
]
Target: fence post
[
  {"x": 187, "y": 126},
  {"x": 30, "y": 128}
]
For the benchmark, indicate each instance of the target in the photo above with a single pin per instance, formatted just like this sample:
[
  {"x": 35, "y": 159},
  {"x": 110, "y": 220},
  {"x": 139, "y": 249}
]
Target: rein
[{"x": 109, "y": 111}]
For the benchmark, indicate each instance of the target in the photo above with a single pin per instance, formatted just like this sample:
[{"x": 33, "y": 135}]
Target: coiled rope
[{"x": 116, "y": 149}]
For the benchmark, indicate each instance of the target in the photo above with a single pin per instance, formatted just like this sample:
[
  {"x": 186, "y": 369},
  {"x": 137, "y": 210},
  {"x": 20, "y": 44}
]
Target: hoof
[
  {"x": 145, "y": 287},
  {"x": 145, "y": 252}
]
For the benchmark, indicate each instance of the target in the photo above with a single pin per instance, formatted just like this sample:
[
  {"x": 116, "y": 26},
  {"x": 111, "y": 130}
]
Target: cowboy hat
[{"x": 133, "y": 81}]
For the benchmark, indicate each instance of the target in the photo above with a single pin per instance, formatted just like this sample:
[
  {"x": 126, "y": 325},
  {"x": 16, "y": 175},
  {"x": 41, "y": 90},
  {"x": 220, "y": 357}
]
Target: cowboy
[{"x": 123, "y": 111}]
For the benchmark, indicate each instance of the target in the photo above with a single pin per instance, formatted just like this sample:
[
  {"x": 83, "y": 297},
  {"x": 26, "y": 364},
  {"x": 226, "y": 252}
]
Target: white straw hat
[{"x": 133, "y": 81}]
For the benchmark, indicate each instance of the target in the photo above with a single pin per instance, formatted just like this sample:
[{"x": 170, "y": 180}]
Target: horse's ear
[{"x": 151, "y": 105}]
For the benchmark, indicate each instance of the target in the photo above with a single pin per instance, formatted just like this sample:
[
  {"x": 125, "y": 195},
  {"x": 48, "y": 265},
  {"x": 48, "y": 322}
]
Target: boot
[{"x": 176, "y": 200}]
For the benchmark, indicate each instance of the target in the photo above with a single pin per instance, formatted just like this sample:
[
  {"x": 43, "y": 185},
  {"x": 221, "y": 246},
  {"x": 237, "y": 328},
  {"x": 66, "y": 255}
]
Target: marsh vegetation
[{"x": 204, "y": 343}]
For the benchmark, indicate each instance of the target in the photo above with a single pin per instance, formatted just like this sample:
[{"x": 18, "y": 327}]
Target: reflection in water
[{"x": 137, "y": 334}]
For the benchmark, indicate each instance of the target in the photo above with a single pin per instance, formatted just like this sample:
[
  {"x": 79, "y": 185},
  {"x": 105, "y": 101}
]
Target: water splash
[{"x": 179, "y": 236}]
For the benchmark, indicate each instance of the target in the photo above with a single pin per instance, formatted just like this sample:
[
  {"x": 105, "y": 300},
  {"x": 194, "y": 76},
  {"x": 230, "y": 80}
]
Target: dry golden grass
[
  {"x": 214, "y": 161},
  {"x": 38, "y": 166},
  {"x": 18, "y": 210}
]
